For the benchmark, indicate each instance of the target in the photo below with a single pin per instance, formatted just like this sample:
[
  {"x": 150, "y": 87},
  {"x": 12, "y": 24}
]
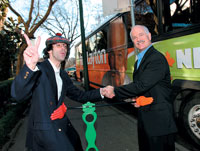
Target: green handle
[{"x": 89, "y": 117}]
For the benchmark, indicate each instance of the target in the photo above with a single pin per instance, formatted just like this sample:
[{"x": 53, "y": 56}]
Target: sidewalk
[
  {"x": 116, "y": 129},
  {"x": 111, "y": 135},
  {"x": 18, "y": 142},
  {"x": 111, "y": 128}
]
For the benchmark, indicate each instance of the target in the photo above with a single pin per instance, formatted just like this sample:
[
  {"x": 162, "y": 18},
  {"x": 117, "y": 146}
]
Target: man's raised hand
[{"x": 31, "y": 55}]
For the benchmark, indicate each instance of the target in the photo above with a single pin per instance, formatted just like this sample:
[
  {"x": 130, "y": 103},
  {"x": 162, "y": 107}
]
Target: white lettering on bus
[
  {"x": 196, "y": 56},
  {"x": 90, "y": 59},
  {"x": 99, "y": 57},
  {"x": 185, "y": 58}
]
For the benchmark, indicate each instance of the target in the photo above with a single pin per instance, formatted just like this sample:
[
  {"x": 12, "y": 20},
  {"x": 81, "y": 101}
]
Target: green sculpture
[{"x": 89, "y": 117}]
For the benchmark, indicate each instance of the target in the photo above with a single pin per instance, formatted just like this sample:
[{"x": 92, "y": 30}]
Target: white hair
[{"x": 146, "y": 30}]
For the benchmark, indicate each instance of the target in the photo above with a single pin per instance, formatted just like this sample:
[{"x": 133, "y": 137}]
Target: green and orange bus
[{"x": 175, "y": 28}]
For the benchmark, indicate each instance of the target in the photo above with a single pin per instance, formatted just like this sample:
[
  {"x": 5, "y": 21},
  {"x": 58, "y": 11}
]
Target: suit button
[
  {"x": 59, "y": 129},
  {"x": 51, "y": 103}
]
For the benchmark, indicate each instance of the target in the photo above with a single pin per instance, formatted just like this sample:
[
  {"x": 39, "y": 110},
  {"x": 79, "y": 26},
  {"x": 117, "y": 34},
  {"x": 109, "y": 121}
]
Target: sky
[{"x": 40, "y": 32}]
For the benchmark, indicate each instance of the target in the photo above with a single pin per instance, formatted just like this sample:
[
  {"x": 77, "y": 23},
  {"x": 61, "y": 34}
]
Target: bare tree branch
[
  {"x": 14, "y": 11},
  {"x": 30, "y": 14},
  {"x": 36, "y": 17},
  {"x": 51, "y": 3}
]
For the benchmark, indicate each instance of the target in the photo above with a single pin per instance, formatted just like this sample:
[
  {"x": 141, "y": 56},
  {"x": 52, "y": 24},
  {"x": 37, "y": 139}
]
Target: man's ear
[{"x": 149, "y": 35}]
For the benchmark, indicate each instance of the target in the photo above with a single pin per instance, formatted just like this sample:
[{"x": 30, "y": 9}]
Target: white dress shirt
[{"x": 58, "y": 78}]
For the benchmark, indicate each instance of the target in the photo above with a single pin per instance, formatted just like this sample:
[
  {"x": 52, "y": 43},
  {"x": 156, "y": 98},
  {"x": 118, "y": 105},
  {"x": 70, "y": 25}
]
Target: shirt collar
[
  {"x": 141, "y": 54},
  {"x": 56, "y": 70}
]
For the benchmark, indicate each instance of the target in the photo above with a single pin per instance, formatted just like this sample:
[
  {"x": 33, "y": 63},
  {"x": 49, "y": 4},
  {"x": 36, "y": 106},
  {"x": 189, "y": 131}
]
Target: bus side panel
[
  {"x": 121, "y": 73},
  {"x": 130, "y": 62},
  {"x": 97, "y": 69},
  {"x": 183, "y": 55},
  {"x": 79, "y": 69}
]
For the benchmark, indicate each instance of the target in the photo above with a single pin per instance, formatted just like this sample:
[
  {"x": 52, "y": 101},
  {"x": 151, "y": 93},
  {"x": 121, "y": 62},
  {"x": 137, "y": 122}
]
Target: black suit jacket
[
  {"x": 152, "y": 79},
  {"x": 40, "y": 86}
]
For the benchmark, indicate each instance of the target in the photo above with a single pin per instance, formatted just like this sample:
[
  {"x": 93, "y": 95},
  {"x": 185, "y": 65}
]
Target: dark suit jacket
[
  {"x": 40, "y": 86},
  {"x": 152, "y": 79}
]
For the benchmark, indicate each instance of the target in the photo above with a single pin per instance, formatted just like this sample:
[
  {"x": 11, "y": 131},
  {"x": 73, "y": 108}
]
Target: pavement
[
  {"x": 111, "y": 134},
  {"x": 116, "y": 129}
]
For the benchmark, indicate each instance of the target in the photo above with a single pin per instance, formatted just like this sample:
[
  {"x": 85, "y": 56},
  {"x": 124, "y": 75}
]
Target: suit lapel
[
  {"x": 145, "y": 56},
  {"x": 135, "y": 67},
  {"x": 51, "y": 77},
  {"x": 62, "y": 96},
  {"x": 149, "y": 51}
]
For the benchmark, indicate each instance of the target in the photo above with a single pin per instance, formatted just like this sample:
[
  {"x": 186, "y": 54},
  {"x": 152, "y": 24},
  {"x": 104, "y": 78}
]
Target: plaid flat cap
[{"x": 57, "y": 39}]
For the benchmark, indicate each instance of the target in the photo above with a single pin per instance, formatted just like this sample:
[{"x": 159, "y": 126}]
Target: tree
[
  {"x": 64, "y": 19},
  {"x": 31, "y": 20},
  {"x": 9, "y": 43},
  {"x": 3, "y": 14}
]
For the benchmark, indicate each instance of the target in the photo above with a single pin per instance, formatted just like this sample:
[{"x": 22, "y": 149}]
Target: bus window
[
  {"x": 144, "y": 15},
  {"x": 92, "y": 41},
  {"x": 80, "y": 51},
  {"x": 87, "y": 46},
  {"x": 184, "y": 13},
  {"x": 102, "y": 40},
  {"x": 128, "y": 25},
  {"x": 167, "y": 15}
]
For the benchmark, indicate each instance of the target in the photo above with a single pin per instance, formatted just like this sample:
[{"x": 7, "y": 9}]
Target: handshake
[
  {"x": 139, "y": 101},
  {"x": 108, "y": 91},
  {"x": 59, "y": 113}
]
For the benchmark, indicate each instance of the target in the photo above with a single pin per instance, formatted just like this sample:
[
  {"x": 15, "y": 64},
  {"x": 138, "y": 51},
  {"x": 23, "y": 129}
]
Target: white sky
[{"x": 40, "y": 32}]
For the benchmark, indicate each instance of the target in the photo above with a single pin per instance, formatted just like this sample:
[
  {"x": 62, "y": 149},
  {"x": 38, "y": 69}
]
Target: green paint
[
  {"x": 181, "y": 43},
  {"x": 89, "y": 117}
]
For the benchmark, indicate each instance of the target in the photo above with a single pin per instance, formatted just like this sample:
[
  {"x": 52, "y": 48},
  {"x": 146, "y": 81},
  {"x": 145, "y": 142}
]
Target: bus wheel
[{"x": 191, "y": 118}]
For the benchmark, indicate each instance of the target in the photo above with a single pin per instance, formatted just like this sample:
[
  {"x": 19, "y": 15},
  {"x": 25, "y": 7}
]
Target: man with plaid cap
[{"x": 49, "y": 129}]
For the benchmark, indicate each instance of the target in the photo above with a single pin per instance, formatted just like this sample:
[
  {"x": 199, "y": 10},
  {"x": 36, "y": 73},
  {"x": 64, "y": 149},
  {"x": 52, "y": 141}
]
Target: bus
[{"x": 175, "y": 29}]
